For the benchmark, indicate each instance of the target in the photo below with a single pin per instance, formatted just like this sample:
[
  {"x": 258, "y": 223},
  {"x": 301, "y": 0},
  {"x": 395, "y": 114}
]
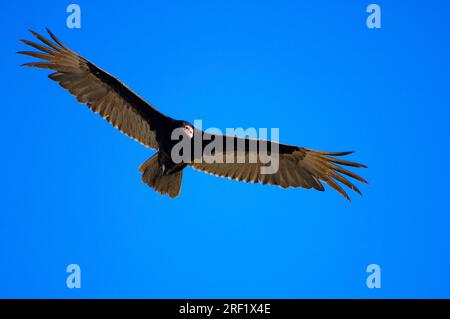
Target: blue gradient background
[{"x": 71, "y": 192}]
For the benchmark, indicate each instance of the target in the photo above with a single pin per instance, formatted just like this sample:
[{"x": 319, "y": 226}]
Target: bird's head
[{"x": 188, "y": 129}]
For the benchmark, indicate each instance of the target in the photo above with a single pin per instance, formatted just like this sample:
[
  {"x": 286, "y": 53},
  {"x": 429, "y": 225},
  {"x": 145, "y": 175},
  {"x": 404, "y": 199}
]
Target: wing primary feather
[
  {"x": 39, "y": 47},
  {"x": 45, "y": 41},
  {"x": 41, "y": 65},
  {"x": 329, "y": 172},
  {"x": 329, "y": 153},
  {"x": 333, "y": 184},
  {"x": 348, "y": 173},
  {"x": 36, "y": 55},
  {"x": 343, "y": 162},
  {"x": 57, "y": 40}
]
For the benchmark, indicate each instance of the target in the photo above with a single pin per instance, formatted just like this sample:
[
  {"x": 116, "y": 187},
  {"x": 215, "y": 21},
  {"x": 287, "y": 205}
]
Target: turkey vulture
[{"x": 119, "y": 105}]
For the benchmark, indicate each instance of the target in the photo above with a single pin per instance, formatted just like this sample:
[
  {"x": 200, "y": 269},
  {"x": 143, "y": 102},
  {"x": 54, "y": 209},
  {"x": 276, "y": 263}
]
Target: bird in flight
[{"x": 138, "y": 119}]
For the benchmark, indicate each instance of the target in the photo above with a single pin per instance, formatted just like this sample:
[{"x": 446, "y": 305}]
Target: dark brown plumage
[
  {"x": 115, "y": 102},
  {"x": 298, "y": 167}
]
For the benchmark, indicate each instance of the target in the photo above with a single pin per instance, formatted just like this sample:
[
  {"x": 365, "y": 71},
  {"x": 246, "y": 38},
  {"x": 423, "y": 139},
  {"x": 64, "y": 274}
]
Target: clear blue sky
[{"x": 71, "y": 191}]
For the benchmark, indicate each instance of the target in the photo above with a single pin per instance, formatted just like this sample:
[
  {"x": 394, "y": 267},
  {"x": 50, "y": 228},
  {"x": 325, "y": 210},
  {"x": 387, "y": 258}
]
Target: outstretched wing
[
  {"x": 103, "y": 93},
  {"x": 298, "y": 166}
]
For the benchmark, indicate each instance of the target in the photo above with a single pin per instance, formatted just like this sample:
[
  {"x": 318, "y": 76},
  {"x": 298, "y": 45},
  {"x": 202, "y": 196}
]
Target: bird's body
[{"x": 136, "y": 118}]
